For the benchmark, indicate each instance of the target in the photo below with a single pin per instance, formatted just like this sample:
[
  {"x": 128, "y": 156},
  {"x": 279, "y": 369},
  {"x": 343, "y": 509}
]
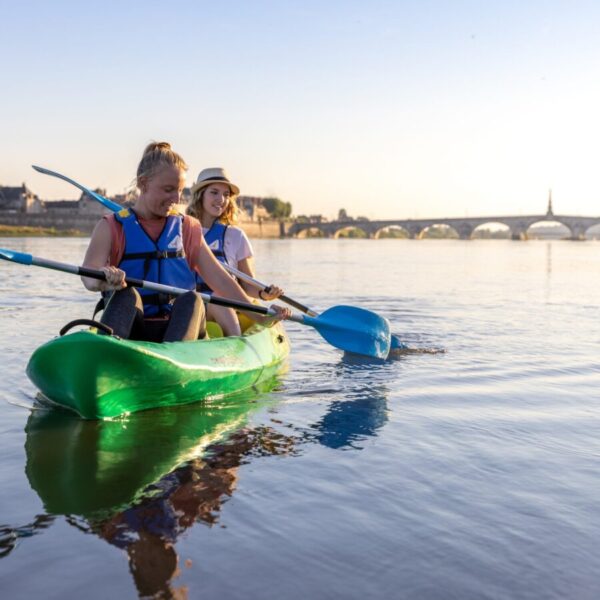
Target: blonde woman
[{"x": 213, "y": 204}]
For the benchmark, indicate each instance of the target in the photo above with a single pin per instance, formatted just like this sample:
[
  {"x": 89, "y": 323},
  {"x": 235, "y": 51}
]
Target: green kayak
[{"x": 100, "y": 376}]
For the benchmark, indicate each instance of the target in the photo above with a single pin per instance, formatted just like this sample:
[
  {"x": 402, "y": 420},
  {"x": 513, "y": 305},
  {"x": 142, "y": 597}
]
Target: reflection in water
[
  {"x": 349, "y": 422},
  {"x": 548, "y": 289},
  {"x": 9, "y": 536},
  {"x": 139, "y": 483},
  {"x": 192, "y": 493}
]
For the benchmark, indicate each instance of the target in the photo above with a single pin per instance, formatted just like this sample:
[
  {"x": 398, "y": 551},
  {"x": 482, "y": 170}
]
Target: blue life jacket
[
  {"x": 215, "y": 240},
  {"x": 162, "y": 261}
]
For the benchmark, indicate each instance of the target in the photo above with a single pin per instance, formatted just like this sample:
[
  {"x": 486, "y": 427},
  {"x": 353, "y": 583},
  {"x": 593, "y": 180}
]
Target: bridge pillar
[
  {"x": 577, "y": 233},
  {"x": 465, "y": 232},
  {"x": 414, "y": 233},
  {"x": 519, "y": 234}
]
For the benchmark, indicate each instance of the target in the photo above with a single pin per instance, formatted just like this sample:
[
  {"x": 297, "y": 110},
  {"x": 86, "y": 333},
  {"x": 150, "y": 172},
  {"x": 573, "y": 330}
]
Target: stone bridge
[{"x": 464, "y": 227}]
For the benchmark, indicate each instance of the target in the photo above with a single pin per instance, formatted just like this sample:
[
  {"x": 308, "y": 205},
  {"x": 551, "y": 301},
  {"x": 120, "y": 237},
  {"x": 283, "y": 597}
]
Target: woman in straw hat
[{"x": 213, "y": 204}]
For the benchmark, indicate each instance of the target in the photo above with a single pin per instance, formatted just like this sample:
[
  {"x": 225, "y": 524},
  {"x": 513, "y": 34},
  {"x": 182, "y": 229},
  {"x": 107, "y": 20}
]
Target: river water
[{"x": 468, "y": 467}]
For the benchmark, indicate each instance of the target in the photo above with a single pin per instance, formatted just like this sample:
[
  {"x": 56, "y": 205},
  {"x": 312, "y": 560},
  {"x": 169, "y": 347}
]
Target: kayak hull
[{"x": 100, "y": 376}]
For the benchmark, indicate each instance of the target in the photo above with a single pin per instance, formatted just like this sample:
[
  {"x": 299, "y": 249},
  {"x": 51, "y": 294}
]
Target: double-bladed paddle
[{"x": 348, "y": 328}]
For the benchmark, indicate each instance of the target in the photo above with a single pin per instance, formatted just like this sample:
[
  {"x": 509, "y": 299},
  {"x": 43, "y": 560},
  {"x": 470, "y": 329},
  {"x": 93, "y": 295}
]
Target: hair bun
[{"x": 154, "y": 146}]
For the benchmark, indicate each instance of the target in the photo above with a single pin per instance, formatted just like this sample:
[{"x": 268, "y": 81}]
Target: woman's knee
[
  {"x": 123, "y": 309},
  {"x": 192, "y": 301},
  {"x": 128, "y": 296},
  {"x": 188, "y": 319}
]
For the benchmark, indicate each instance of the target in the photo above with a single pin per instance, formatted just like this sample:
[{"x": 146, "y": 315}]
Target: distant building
[
  {"x": 19, "y": 199},
  {"x": 23, "y": 200},
  {"x": 86, "y": 205},
  {"x": 250, "y": 209}
]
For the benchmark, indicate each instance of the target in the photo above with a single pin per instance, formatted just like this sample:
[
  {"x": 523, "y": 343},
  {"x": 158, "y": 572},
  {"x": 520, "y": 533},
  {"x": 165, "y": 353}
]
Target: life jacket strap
[{"x": 155, "y": 254}]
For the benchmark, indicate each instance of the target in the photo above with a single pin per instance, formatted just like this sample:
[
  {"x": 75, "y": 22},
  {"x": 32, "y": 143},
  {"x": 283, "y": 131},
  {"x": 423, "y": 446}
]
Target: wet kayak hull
[{"x": 100, "y": 376}]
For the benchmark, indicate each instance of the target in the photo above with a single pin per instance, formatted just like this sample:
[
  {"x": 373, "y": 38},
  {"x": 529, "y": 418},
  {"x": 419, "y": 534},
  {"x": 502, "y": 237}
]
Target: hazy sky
[{"x": 387, "y": 109}]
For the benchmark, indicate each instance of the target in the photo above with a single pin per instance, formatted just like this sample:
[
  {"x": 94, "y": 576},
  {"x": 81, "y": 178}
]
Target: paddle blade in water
[
  {"x": 396, "y": 344},
  {"x": 353, "y": 329}
]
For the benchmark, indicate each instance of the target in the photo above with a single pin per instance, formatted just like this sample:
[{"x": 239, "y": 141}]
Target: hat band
[{"x": 214, "y": 179}]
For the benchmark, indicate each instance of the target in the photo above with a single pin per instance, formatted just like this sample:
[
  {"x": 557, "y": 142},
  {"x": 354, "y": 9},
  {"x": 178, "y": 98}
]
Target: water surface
[{"x": 465, "y": 468}]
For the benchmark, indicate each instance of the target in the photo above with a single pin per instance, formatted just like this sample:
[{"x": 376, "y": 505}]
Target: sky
[{"x": 388, "y": 109}]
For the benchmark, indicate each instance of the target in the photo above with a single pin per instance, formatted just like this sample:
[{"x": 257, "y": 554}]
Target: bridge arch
[
  {"x": 310, "y": 232},
  {"x": 491, "y": 230},
  {"x": 351, "y": 231},
  {"x": 392, "y": 231},
  {"x": 549, "y": 229},
  {"x": 438, "y": 231},
  {"x": 593, "y": 232}
]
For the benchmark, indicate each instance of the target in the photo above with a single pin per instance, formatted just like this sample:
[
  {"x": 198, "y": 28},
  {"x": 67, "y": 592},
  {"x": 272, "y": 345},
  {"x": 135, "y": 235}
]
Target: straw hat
[{"x": 213, "y": 175}]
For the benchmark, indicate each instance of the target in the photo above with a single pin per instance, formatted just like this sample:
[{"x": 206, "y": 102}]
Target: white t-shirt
[{"x": 237, "y": 245}]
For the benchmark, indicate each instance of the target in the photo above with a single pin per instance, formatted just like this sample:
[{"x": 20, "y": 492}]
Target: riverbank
[
  {"x": 25, "y": 231},
  {"x": 14, "y": 226},
  {"x": 263, "y": 229}
]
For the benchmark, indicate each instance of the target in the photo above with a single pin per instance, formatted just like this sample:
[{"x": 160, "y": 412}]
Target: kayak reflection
[
  {"x": 138, "y": 484},
  {"x": 93, "y": 467}
]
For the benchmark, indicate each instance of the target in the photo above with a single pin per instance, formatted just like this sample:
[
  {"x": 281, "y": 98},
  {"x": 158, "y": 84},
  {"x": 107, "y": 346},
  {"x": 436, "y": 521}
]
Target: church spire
[{"x": 549, "y": 212}]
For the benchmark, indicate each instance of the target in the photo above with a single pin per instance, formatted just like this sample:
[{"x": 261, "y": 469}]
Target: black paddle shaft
[{"x": 140, "y": 283}]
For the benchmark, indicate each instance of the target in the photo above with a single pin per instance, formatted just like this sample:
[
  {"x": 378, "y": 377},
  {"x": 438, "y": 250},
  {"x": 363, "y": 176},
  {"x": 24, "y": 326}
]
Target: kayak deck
[{"x": 100, "y": 376}]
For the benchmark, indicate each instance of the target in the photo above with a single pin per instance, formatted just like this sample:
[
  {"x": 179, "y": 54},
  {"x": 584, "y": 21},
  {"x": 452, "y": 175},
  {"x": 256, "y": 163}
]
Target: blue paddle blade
[
  {"x": 105, "y": 201},
  {"x": 18, "y": 257},
  {"x": 353, "y": 329}
]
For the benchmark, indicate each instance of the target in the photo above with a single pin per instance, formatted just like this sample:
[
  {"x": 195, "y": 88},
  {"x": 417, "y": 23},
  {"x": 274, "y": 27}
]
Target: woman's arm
[
  {"x": 215, "y": 275},
  {"x": 246, "y": 265},
  {"x": 224, "y": 285},
  {"x": 97, "y": 256},
  {"x": 272, "y": 292}
]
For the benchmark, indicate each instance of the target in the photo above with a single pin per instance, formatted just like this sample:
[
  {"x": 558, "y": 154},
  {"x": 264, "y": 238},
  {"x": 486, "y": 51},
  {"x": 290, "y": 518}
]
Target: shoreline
[
  {"x": 264, "y": 230},
  {"x": 26, "y": 231}
]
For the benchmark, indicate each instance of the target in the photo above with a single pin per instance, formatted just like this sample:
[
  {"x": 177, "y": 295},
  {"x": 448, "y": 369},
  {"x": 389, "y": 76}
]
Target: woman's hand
[
  {"x": 271, "y": 292},
  {"x": 115, "y": 279},
  {"x": 282, "y": 314}
]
